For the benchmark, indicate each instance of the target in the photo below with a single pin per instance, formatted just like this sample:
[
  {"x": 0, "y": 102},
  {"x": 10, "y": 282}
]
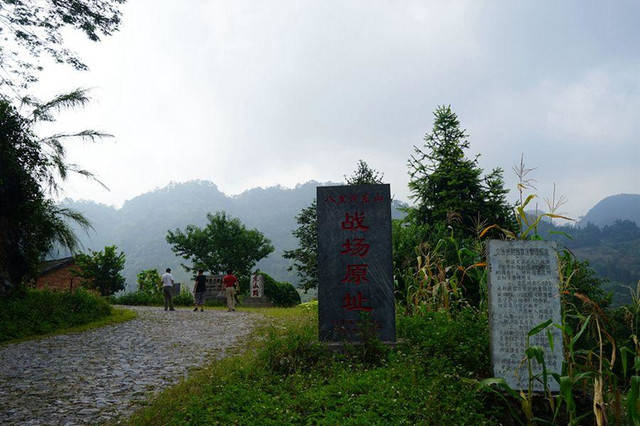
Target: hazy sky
[{"x": 256, "y": 93}]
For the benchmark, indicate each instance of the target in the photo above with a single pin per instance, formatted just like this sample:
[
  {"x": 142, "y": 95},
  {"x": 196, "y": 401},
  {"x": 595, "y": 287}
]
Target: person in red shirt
[{"x": 230, "y": 282}]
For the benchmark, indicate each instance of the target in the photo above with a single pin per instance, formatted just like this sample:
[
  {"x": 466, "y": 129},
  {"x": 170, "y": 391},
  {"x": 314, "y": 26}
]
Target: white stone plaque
[
  {"x": 257, "y": 285},
  {"x": 523, "y": 293}
]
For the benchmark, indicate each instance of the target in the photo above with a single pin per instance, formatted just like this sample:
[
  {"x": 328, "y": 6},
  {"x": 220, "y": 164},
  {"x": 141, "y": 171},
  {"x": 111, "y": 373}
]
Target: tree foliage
[
  {"x": 224, "y": 243},
  {"x": 305, "y": 257},
  {"x": 149, "y": 281},
  {"x": 101, "y": 270},
  {"x": 31, "y": 170},
  {"x": 32, "y": 29},
  {"x": 363, "y": 174},
  {"x": 448, "y": 187}
]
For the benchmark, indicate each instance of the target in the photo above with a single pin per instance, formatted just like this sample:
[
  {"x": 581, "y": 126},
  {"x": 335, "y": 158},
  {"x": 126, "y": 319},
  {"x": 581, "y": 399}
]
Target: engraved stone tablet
[
  {"x": 213, "y": 290},
  {"x": 354, "y": 262},
  {"x": 523, "y": 292},
  {"x": 257, "y": 285}
]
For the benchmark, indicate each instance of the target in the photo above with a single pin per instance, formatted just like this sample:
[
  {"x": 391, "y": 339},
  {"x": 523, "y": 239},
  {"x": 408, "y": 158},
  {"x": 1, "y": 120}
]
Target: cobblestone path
[{"x": 104, "y": 374}]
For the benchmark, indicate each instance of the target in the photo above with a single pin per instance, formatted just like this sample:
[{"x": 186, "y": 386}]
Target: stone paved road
[{"x": 103, "y": 374}]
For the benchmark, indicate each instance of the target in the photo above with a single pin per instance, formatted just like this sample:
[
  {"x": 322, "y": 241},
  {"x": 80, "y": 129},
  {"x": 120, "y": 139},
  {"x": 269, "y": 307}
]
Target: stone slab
[
  {"x": 213, "y": 290},
  {"x": 523, "y": 284},
  {"x": 256, "y": 286},
  {"x": 354, "y": 262}
]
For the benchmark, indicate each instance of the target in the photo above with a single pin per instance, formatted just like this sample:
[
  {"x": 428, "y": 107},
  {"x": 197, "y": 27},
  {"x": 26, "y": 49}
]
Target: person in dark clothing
[{"x": 199, "y": 290}]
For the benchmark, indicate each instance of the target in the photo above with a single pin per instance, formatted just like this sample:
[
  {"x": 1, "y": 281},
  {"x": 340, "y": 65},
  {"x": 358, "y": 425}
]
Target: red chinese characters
[
  {"x": 355, "y": 247},
  {"x": 356, "y": 273},
  {"x": 355, "y": 303},
  {"x": 354, "y": 222}
]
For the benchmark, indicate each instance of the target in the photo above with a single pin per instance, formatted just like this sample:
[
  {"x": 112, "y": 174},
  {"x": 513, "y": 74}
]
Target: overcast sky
[{"x": 253, "y": 93}]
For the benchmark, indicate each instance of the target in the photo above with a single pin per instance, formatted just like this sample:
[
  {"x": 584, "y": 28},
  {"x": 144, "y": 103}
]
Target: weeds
[{"x": 36, "y": 312}]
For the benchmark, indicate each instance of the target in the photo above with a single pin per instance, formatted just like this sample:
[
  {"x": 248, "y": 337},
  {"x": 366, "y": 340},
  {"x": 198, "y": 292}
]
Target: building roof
[{"x": 55, "y": 264}]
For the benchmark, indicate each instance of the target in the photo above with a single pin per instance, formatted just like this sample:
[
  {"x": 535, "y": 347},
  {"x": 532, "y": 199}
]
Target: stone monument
[
  {"x": 355, "y": 280},
  {"x": 256, "y": 298},
  {"x": 523, "y": 293},
  {"x": 256, "y": 287},
  {"x": 213, "y": 292}
]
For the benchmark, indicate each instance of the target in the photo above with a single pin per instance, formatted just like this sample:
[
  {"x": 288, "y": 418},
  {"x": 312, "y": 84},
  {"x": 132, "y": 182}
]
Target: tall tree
[
  {"x": 31, "y": 170},
  {"x": 363, "y": 174},
  {"x": 32, "y": 29},
  {"x": 305, "y": 256},
  {"x": 448, "y": 187},
  {"x": 102, "y": 270},
  {"x": 224, "y": 243}
]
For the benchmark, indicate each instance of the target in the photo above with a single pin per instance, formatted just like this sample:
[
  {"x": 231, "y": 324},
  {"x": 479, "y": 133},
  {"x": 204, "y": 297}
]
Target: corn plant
[{"x": 437, "y": 286}]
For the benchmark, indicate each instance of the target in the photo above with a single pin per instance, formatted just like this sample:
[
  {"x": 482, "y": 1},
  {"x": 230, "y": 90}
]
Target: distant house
[{"x": 57, "y": 275}]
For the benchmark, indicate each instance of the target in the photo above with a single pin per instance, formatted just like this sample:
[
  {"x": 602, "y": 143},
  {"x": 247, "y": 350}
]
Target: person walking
[
  {"x": 167, "y": 289},
  {"x": 229, "y": 282},
  {"x": 198, "y": 291}
]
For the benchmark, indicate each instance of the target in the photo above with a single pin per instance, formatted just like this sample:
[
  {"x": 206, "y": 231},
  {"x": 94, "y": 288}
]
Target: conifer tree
[{"x": 448, "y": 187}]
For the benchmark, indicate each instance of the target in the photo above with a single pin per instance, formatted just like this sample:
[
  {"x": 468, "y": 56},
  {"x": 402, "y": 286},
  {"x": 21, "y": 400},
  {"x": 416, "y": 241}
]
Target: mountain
[
  {"x": 140, "y": 226},
  {"x": 612, "y": 208}
]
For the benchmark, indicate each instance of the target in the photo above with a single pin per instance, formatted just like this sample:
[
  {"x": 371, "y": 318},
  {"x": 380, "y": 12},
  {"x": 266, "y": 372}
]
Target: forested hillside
[{"x": 613, "y": 251}]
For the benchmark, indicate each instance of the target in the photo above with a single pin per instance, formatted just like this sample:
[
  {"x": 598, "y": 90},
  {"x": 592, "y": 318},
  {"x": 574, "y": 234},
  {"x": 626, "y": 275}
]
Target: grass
[
  {"x": 118, "y": 315},
  {"x": 141, "y": 298},
  {"x": 284, "y": 376},
  {"x": 32, "y": 312}
]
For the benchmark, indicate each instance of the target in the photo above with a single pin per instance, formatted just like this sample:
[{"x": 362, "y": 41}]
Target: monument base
[{"x": 257, "y": 302}]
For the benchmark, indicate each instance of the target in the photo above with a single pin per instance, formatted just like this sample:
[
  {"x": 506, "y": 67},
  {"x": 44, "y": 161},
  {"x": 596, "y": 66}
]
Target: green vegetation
[
  {"x": 31, "y": 167},
  {"x": 223, "y": 244},
  {"x": 144, "y": 298},
  {"x": 117, "y": 316},
  {"x": 101, "y": 270},
  {"x": 305, "y": 256},
  {"x": 37, "y": 312},
  {"x": 150, "y": 281},
  {"x": 290, "y": 378},
  {"x": 613, "y": 251},
  {"x": 280, "y": 293},
  {"x": 447, "y": 187}
]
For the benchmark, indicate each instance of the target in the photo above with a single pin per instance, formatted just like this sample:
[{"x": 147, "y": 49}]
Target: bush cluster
[
  {"x": 461, "y": 337},
  {"x": 144, "y": 298},
  {"x": 32, "y": 312},
  {"x": 280, "y": 293}
]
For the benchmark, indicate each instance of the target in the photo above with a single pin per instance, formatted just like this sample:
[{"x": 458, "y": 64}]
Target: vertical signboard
[
  {"x": 355, "y": 279},
  {"x": 523, "y": 293},
  {"x": 257, "y": 285}
]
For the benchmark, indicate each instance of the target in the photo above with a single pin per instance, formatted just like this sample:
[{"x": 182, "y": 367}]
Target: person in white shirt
[{"x": 167, "y": 289}]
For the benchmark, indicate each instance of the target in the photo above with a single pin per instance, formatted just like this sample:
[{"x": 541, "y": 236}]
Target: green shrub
[
  {"x": 185, "y": 298},
  {"x": 34, "y": 312},
  {"x": 280, "y": 293},
  {"x": 150, "y": 281},
  {"x": 462, "y": 338},
  {"x": 294, "y": 352},
  {"x": 138, "y": 298},
  {"x": 143, "y": 298}
]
